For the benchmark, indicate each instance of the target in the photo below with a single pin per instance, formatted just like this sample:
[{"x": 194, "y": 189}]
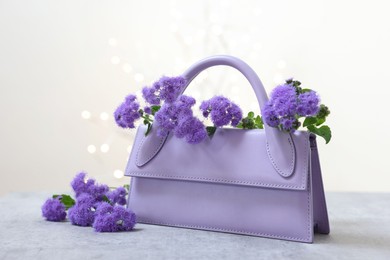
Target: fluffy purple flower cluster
[
  {"x": 90, "y": 209},
  {"x": 54, "y": 210},
  {"x": 308, "y": 104},
  {"x": 285, "y": 106},
  {"x": 127, "y": 112},
  {"x": 166, "y": 89},
  {"x": 113, "y": 218},
  {"x": 173, "y": 112},
  {"x": 83, "y": 213},
  {"x": 222, "y": 111},
  {"x": 80, "y": 186},
  {"x": 117, "y": 196},
  {"x": 178, "y": 117}
]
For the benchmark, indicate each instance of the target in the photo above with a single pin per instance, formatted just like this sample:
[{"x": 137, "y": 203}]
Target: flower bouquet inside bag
[{"x": 259, "y": 178}]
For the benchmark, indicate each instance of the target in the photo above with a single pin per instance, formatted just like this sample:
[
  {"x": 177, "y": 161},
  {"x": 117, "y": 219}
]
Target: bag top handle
[
  {"x": 230, "y": 61},
  {"x": 280, "y": 147}
]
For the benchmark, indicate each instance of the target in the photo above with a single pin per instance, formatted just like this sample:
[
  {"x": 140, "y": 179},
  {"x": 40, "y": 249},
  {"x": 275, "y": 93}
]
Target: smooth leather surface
[
  {"x": 280, "y": 147},
  {"x": 282, "y": 214},
  {"x": 286, "y": 213},
  {"x": 231, "y": 156},
  {"x": 230, "y": 183}
]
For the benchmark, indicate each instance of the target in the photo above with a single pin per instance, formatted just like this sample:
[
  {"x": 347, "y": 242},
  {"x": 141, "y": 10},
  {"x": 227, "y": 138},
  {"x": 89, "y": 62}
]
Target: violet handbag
[{"x": 256, "y": 182}]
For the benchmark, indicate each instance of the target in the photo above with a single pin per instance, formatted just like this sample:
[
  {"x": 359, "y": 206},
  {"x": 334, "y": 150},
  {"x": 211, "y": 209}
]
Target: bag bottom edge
[{"x": 228, "y": 231}]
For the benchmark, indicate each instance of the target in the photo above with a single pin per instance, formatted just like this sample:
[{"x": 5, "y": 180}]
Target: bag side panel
[
  {"x": 273, "y": 213},
  {"x": 320, "y": 212}
]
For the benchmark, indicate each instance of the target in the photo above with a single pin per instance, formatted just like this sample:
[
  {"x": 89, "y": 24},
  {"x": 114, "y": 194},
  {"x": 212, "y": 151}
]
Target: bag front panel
[{"x": 273, "y": 213}]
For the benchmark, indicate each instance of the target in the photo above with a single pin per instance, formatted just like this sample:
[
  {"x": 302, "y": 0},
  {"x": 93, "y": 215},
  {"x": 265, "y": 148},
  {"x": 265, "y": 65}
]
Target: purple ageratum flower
[
  {"x": 287, "y": 124},
  {"x": 90, "y": 187},
  {"x": 166, "y": 89},
  {"x": 308, "y": 104},
  {"x": 54, "y": 210},
  {"x": 117, "y": 196},
  {"x": 178, "y": 117},
  {"x": 113, "y": 218},
  {"x": 148, "y": 110},
  {"x": 269, "y": 115},
  {"x": 205, "y": 107},
  {"x": 127, "y": 112},
  {"x": 192, "y": 129},
  {"x": 79, "y": 184},
  {"x": 171, "y": 88},
  {"x": 284, "y": 100},
  {"x": 169, "y": 114},
  {"x": 284, "y": 104},
  {"x": 98, "y": 191},
  {"x": 83, "y": 213},
  {"x": 222, "y": 111},
  {"x": 151, "y": 94}
]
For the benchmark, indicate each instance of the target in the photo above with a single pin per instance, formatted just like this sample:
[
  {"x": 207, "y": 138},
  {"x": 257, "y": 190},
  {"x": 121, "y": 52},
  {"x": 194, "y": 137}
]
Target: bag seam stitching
[{"x": 140, "y": 174}]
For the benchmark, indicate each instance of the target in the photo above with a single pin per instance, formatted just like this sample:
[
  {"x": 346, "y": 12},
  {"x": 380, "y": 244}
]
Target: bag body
[{"x": 238, "y": 181}]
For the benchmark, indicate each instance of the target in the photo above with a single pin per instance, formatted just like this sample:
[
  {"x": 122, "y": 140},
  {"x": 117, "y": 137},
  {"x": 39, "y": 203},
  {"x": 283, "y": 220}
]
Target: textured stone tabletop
[{"x": 360, "y": 229}]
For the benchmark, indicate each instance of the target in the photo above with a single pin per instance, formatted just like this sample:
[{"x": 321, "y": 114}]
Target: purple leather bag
[{"x": 255, "y": 182}]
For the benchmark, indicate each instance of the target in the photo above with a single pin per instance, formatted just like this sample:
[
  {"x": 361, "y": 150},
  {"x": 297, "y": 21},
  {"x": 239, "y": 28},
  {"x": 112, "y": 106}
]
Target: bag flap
[{"x": 231, "y": 156}]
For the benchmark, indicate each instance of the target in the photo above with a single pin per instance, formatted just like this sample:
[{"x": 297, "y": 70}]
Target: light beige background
[{"x": 59, "y": 58}]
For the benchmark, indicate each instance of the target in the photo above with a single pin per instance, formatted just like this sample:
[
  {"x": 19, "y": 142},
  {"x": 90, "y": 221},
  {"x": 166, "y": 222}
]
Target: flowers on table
[
  {"x": 90, "y": 206},
  {"x": 113, "y": 218},
  {"x": 83, "y": 213},
  {"x": 117, "y": 196},
  {"x": 54, "y": 210},
  {"x": 288, "y": 108}
]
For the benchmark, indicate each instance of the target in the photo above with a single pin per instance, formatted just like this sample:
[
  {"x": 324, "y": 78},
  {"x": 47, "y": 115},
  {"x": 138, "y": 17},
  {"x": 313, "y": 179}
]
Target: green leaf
[
  {"x": 306, "y": 90},
  {"x": 248, "y": 123},
  {"x": 296, "y": 83},
  {"x": 105, "y": 198},
  {"x": 148, "y": 129},
  {"x": 323, "y": 131},
  {"x": 310, "y": 121},
  {"x": 211, "y": 130},
  {"x": 146, "y": 122},
  {"x": 320, "y": 121},
  {"x": 239, "y": 125},
  {"x": 155, "y": 109},
  {"x": 67, "y": 200},
  {"x": 259, "y": 122},
  {"x": 324, "y": 111},
  {"x": 251, "y": 114}
]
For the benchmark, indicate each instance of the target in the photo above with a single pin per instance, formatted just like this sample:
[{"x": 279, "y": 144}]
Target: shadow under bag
[{"x": 259, "y": 182}]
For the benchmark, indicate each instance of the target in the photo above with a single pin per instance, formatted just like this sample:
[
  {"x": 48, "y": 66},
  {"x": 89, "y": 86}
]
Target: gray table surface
[{"x": 360, "y": 229}]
